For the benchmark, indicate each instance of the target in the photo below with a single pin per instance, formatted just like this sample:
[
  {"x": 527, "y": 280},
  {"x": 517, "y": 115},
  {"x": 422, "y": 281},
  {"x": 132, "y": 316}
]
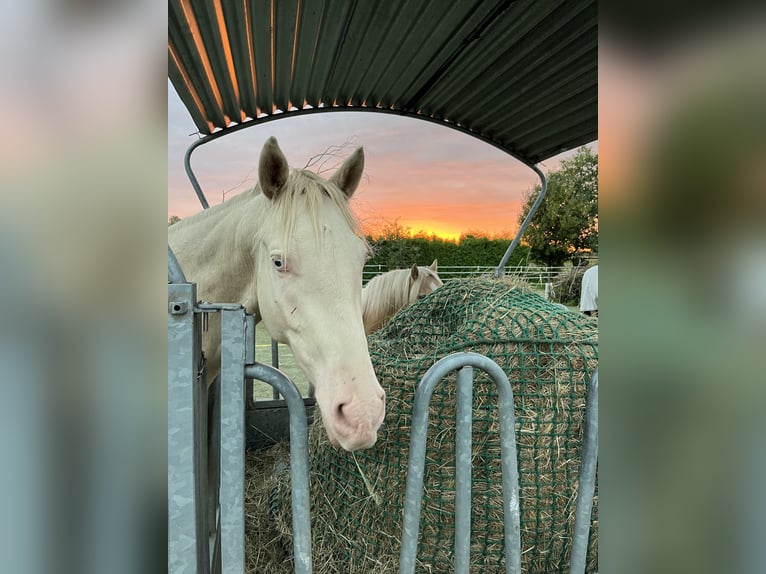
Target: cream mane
[
  {"x": 302, "y": 186},
  {"x": 383, "y": 296},
  {"x": 307, "y": 188}
]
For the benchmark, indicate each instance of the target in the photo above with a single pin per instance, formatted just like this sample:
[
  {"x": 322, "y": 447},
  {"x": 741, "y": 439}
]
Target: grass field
[{"x": 286, "y": 364}]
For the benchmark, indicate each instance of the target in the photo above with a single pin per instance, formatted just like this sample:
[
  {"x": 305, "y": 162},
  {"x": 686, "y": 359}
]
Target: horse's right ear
[
  {"x": 414, "y": 272},
  {"x": 348, "y": 175},
  {"x": 272, "y": 169}
]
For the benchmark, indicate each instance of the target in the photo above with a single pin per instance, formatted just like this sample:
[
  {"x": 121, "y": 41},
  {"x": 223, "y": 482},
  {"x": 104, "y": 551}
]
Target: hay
[
  {"x": 548, "y": 354},
  {"x": 264, "y": 547},
  {"x": 566, "y": 287}
]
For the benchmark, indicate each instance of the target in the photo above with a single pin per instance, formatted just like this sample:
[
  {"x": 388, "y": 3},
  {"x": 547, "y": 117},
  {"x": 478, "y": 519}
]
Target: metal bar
[
  {"x": 299, "y": 460},
  {"x": 249, "y": 339},
  {"x": 415, "y": 467},
  {"x": 232, "y": 394},
  {"x": 587, "y": 485},
  {"x": 463, "y": 470},
  {"x": 249, "y": 357},
  {"x": 512, "y": 513},
  {"x": 190, "y": 172},
  {"x": 187, "y": 536},
  {"x": 275, "y": 364},
  {"x": 213, "y": 452},
  {"x": 304, "y": 111},
  {"x": 175, "y": 273},
  {"x": 202, "y": 445},
  {"x": 500, "y": 270}
]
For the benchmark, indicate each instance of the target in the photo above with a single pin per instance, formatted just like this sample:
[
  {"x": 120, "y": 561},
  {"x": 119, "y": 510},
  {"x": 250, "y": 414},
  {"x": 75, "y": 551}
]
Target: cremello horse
[
  {"x": 389, "y": 292},
  {"x": 291, "y": 252}
]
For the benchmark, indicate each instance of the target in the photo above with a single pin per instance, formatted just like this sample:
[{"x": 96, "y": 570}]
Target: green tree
[
  {"x": 173, "y": 219},
  {"x": 394, "y": 248},
  {"x": 566, "y": 224}
]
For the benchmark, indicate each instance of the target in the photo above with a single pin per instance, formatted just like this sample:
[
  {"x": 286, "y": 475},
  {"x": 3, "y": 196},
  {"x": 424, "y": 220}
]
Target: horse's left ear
[
  {"x": 414, "y": 271},
  {"x": 350, "y": 173},
  {"x": 272, "y": 168},
  {"x": 434, "y": 265}
]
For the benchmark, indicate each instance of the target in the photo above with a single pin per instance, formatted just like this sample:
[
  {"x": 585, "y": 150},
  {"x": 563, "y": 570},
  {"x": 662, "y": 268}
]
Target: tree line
[
  {"x": 565, "y": 228},
  {"x": 395, "y": 248}
]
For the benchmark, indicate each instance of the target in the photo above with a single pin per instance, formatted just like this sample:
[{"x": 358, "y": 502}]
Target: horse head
[
  {"x": 309, "y": 259},
  {"x": 423, "y": 280}
]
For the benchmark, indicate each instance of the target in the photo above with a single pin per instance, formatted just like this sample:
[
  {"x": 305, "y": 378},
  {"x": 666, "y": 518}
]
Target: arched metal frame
[
  {"x": 231, "y": 521},
  {"x": 499, "y": 271}
]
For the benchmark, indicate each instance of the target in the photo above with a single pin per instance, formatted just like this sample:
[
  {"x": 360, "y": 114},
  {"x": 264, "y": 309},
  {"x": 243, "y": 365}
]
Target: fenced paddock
[{"x": 535, "y": 275}]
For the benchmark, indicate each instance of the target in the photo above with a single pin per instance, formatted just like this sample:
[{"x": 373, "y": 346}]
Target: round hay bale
[{"x": 548, "y": 354}]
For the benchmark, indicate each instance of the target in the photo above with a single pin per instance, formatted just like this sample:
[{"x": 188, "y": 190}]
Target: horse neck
[
  {"x": 385, "y": 294},
  {"x": 215, "y": 248}
]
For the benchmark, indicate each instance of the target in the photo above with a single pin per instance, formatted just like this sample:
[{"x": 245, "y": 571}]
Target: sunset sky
[{"x": 427, "y": 177}]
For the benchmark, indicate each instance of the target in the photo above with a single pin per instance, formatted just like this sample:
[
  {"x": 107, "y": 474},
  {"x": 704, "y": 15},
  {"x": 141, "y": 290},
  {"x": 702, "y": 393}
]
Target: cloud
[{"x": 416, "y": 171}]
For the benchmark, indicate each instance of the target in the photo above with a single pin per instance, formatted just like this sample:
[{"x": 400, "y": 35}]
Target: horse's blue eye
[{"x": 279, "y": 263}]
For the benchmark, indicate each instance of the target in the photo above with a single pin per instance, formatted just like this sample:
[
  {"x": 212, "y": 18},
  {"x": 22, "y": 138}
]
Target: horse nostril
[{"x": 339, "y": 414}]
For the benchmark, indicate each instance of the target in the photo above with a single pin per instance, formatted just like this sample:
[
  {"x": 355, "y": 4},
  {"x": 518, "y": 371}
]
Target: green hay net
[{"x": 549, "y": 355}]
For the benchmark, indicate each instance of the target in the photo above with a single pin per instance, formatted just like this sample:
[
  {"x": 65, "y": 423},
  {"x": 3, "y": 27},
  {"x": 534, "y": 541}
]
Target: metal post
[
  {"x": 500, "y": 269},
  {"x": 275, "y": 364},
  {"x": 187, "y": 532},
  {"x": 249, "y": 357},
  {"x": 299, "y": 460},
  {"x": 175, "y": 273},
  {"x": 416, "y": 463},
  {"x": 213, "y": 453},
  {"x": 232, "y": 393},
  {"x": 463, "y": 475},
  {"x": 587, "y": 485}
]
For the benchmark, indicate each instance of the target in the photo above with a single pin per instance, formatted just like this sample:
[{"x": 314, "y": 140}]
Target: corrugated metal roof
[{"x": 522, "y": 75}]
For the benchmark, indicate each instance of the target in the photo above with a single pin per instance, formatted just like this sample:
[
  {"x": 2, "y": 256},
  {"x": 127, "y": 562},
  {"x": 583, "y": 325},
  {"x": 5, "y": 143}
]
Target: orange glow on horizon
[{"x": 428, "y": 229}]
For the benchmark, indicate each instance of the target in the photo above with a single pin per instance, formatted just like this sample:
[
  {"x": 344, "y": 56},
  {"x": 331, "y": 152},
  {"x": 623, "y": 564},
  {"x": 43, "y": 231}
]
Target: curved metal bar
[
  {"x": 307, "y": 111},
  {"x": 190, "y": 171},
  {"x": 299, "y": 460},
  {"x": 175, "y": 273},
  {"x": 416, "y": 463},
  {"x": 500, "y": 270},
  {"x": 587, "y": 481}
]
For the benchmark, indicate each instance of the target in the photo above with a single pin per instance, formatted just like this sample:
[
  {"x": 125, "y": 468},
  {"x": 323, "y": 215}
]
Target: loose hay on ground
[{"x": 548, "y": 354}]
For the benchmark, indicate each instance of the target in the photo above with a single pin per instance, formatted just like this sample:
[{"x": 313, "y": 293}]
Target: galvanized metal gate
[
  {"x": 206, "y": 438},
  {"x": 206, "y": 447}
]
